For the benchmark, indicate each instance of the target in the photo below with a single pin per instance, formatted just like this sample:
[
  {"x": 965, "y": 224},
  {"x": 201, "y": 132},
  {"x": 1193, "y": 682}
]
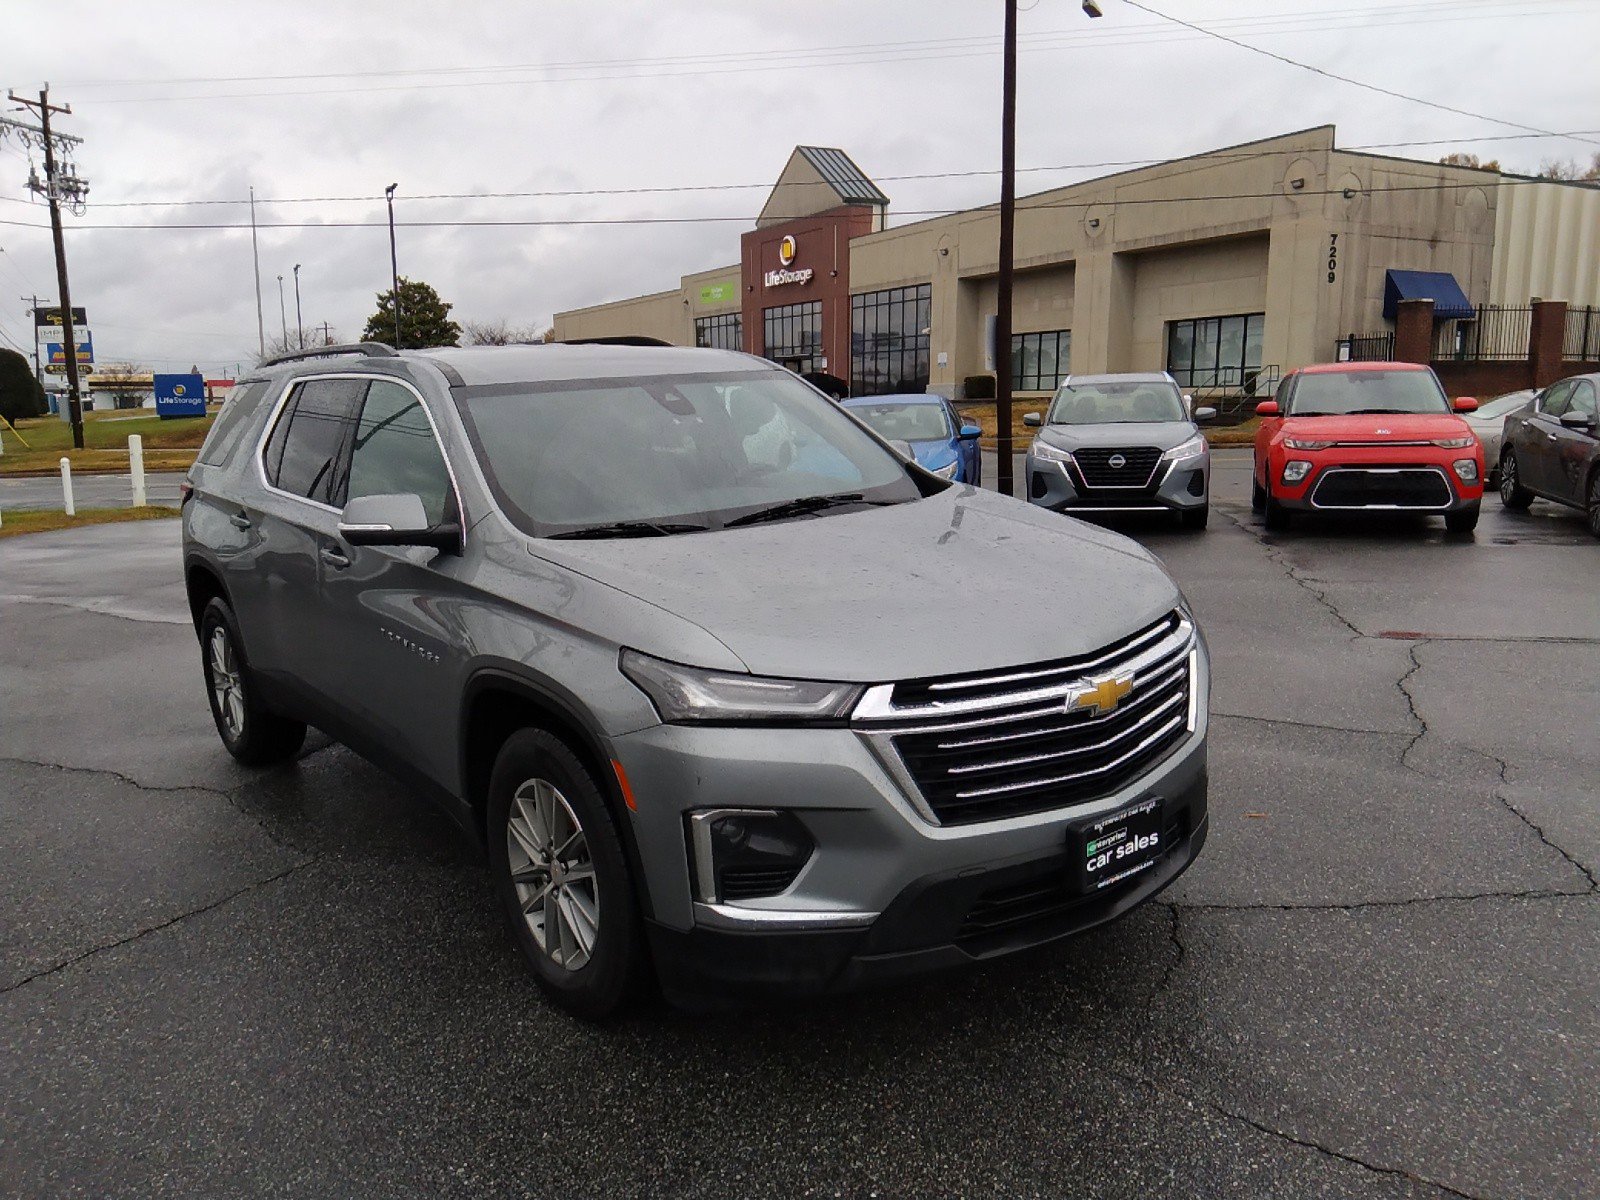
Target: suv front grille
[
  {"x": 1097, "y": 469},
  {"x": 980, "y": 748}
]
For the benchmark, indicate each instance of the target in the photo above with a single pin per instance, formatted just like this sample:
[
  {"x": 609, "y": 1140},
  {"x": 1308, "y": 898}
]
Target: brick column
[
  {"x": 1545, "y": 333},
  {"x": 1413, "y": 331}
]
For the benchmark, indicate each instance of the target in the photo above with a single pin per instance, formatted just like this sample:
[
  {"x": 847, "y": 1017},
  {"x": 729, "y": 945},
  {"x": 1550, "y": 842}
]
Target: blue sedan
[{"x": 933, "y": 429}]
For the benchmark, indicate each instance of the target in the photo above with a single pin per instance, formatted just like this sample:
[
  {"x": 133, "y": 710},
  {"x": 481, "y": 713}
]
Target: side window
[
  {"x": 303, "y": 452},
  {"x": 241, "y": 404},
  {"x": 395, "y": 451},
  {"x": 1583, "y": 399},
  {"x": 1282, "y": 397},
  {"x": 1555, "y": 399}
]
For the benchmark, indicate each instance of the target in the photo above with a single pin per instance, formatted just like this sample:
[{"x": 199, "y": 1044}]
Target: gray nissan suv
[
  {"x": 1120, "y": 444},
  {"x": 735, "y": 698}
]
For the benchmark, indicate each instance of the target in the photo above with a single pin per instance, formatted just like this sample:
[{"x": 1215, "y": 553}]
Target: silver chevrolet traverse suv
[
  {"x": 1119, "y": 444},
  {"x": 691, "y": 652}
]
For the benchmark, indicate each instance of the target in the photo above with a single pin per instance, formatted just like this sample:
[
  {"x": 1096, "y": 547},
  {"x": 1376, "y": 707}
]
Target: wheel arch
[{"x": 203, "y": 583}]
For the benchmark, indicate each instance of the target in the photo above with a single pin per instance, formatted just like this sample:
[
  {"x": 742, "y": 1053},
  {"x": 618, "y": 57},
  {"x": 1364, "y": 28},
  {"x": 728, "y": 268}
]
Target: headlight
[
  {"x": 1044, "y": 450},
  {"x": 1466, "y": 469},
  {"x": 683, "y": 693},
  {"x": 1194, "y": 446},
  {"x": 1294, "y": 472},
  {"x": 946, "y": 472},
  {"x": 1460, "y": 443},
  {"x": 1305, "y": 444}
]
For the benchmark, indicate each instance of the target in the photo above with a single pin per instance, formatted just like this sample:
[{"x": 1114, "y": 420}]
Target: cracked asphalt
[{"x": 1381, "y": 979}]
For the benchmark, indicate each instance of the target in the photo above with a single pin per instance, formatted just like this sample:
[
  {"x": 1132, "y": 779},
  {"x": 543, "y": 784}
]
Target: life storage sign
[{"x": 180, "y": 395}]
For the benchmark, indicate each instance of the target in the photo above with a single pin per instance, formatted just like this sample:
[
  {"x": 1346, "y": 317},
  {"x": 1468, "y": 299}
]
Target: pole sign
[
  {"x": 180, "y": 395},
  {"x": 48, "y": 317},
  {"x": 55, "y": 349}
]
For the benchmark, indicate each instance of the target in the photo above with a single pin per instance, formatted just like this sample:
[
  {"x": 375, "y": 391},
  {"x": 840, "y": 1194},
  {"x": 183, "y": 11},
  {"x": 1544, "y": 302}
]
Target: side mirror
[
  {"x": 1188, "y": 401},
  {"x": 395, "y": 520},
  {"x": 1033, "y": 420},
  {"x": 903, "y": 449},
  {"x": 1204, "y": 414},
  {"x": 1267, "y": 408},
  {"x": 971, "y": 431},
  {"x": 1578, "y": 420},
  {"x": 1464, "y": 404}
]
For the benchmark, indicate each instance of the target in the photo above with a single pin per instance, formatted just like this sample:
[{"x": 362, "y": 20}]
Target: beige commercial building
[{"x": 1226, "y": 268}]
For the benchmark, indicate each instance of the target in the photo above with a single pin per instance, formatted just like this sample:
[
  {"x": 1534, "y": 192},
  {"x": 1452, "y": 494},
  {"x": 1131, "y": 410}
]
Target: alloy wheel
[
  {"x": 1594, "y": 504},
  {"x": 553, "y": 873},
  {"x": 1508, "y": 479},
  {"x": 227, "y": 687}
]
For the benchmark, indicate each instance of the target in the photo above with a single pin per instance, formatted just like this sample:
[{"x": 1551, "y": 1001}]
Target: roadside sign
[
  {"x": 47, "y": 318},
  {"x": 180, "y": 395},
  {"x": 55, "y": 351}
]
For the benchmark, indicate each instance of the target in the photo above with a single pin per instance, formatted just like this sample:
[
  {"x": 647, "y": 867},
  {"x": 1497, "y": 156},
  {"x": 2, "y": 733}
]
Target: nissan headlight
[
  {"x": 948, "y": 471},
  {"x": 1045, "y": 452},
  {"x": 1294, "y": 472},
  {"x": 1193, "y": 448},
  {"x": 682, "y": 693}
]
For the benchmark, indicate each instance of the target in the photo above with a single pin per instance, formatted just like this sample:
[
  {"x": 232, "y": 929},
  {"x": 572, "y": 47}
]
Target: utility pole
[
  {"x": 394, "y": 265},
  {"x": 33, "y": 311},
  {"x": 299, "y": 327},
  {"x": 283, "y": 317},
  {"x": 327, "y": 338},
  {"x": 60, "y": 180},
  {"x": 255, "y": 252}
]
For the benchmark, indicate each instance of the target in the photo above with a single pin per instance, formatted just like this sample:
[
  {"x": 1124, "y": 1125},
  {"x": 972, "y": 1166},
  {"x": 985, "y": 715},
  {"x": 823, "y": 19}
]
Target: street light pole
[
  {"x": 283, "y": 317},
  {"x": 299, "y": 327},
  {"x": 1008, "y": 225},
  {"x": 394, "y": 265}
]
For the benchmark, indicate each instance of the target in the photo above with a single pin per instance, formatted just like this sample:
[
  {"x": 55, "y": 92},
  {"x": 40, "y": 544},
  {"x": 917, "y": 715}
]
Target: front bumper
[
  {"x": 888, "y": 892},
  {"x": 1331, "y": 487},
  {"x": 1178, "y": 486}
]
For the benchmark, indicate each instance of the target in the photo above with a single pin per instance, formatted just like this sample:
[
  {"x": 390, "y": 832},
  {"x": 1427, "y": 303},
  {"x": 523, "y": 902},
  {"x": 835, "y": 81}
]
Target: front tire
[
  {"x": 1258, "y": 495},
  {"x": 562, "y": 876},
  {"x": 1592, "y": 509},
  {"x": 250, "y": 731},
  {"x": 1274, "y": 515},
  {"x": 1193, "y": 520},
  {"x": 1512, "y": 493},
  {"x": 1463, "y": 520}
]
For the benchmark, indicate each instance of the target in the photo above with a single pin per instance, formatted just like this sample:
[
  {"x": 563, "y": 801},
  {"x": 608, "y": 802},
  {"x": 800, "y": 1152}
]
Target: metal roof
[
  {"x": 842, "y": 175},
  {"x": 479, "y": 365}
]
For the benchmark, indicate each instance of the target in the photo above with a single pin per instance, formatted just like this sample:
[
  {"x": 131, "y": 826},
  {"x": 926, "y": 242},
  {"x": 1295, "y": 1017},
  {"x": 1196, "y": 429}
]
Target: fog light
[
  {"x": 1466, "y": 469},
  {"x": 1294, "y": 472},
  {"x": 739, "y": 854}
]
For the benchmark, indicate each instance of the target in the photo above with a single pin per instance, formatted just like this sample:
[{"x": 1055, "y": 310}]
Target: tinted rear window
[
  {"x": 303, "y": 452},
  {"x": 237, "y": 409}
]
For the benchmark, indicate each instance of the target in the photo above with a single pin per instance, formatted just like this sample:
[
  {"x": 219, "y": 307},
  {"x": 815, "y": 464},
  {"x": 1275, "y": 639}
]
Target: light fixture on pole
[
  {"x": 283, "y": 316},
  {"x": 299, "y": 327},
  {"x": 394, "y": 264}
]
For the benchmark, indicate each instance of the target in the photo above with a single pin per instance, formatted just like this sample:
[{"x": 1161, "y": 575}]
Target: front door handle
[
  {"x": 240, "y": 521},
  {"x": 334, "y": 558}
]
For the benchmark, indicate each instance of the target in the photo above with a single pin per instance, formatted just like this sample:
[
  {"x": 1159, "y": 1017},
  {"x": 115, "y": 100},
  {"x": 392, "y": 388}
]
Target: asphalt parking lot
[{"x": 1381, "y": 979}]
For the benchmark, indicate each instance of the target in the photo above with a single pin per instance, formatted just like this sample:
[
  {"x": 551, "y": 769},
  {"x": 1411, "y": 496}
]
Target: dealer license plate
[{"x": 1112, "y": 849}]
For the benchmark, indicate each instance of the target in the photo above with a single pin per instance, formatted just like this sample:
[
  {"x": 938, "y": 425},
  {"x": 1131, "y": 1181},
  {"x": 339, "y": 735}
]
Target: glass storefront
[
  {"x": 792, "y": 335},
  {"x": 1215, "y": 352},
  {"x": 889, "y": 334},
  {"x": 725, "y": 332},
  {"x": 1040, "y": 361}
]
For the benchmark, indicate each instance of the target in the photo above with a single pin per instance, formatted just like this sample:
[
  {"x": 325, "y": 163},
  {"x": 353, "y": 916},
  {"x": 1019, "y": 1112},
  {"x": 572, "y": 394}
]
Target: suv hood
[
  {"x": 961, "y": 581},
  {"x": 1378, "y": 427},
  {"x": 1163, "y": 435}
]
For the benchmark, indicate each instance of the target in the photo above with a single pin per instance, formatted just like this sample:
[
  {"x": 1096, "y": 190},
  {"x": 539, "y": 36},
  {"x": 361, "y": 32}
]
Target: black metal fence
[
  {"x": 1366, "y": 347},
  {"x": 1580, "y": 341},
  {"x": 1493, "y": 333}
]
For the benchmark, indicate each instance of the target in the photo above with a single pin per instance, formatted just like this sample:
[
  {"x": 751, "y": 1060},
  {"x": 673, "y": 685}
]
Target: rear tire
[
  {"x": 562, "y": 876},
  {"x": 1593, "y": 506},
  {"x": 1275, "y": 516},
  {"x": 1463, "y": 520},
  {"x": 250, "y": 731},
  {"x": 1512, "y": 493},
  {"x": 1193, "y": 520}
]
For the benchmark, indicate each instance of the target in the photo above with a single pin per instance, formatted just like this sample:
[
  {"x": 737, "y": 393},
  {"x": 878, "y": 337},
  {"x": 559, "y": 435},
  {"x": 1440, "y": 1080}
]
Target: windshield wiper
[
  {"x": 622, "y": 529},
  {"x": 804, "y": 506}
]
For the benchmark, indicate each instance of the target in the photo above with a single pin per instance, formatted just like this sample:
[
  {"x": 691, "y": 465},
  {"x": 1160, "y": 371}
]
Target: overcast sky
[{"x": 190, "y": 102}]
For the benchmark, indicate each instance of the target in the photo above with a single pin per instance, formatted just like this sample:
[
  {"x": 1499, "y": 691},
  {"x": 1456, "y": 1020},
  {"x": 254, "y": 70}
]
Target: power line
[
  {"x": 1371, "y": 87},
  {"x": 1222, "y": 156}
]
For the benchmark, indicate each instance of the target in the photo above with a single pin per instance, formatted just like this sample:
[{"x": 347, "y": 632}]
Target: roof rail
[
  {"x": 629, "y": 339},
  {"x": 365, "y": 349}
]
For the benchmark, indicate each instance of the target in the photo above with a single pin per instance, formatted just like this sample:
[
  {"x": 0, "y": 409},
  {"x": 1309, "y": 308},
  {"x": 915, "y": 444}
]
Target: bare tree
[
  {"x": 1462, "y": 159},
  {"x": 1566, "y": 169},
  {"x": 317, "y": 335},
  {"x": 128, "y": 384},
  {"x": 500, "y": 332}
]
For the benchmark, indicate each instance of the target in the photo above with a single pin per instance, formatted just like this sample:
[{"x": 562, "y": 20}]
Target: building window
[
  {"x": 792, "y": 335},
  {"x": 725, "y": 332},
  {"x": 889, "y": 340},
  {"x": 1215, "y": 352},
  {"x": 1039, "y": 361}
]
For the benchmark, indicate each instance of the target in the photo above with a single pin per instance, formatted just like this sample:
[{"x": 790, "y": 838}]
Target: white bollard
[
  {"x": 66, "y": 487},
  {"x": 136, "y": 468}
]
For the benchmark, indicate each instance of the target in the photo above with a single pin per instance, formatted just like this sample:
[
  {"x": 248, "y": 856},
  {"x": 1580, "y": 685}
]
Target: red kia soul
[{"x": 1366, "y": 437}]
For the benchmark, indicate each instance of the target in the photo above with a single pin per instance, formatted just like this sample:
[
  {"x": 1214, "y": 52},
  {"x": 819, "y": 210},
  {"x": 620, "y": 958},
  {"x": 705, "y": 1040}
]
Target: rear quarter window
[{"x": 242, "y": 404}]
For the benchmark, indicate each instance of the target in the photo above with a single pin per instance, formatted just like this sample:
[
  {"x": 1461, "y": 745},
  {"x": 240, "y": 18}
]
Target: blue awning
[{"x": 1449, "y": 301}]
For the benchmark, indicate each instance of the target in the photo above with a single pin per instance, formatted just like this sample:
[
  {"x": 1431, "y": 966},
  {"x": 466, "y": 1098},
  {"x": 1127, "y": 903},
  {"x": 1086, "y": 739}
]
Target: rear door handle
[
  {"x": 240, "y": 521},
  {"x": 334, "y": 558}
]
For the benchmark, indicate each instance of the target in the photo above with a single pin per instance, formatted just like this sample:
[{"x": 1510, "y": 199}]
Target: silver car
[
  {"x": 1121, "y": 444},
  {"x": 692, "y": 653},
  {"x": 1488, "y": 422}
]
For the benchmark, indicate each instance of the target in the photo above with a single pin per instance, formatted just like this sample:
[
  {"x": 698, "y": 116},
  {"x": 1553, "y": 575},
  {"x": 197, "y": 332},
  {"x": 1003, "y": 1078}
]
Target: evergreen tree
[
  {"x": 20, "y": 393},
  {"x": 424, "y": 318}
]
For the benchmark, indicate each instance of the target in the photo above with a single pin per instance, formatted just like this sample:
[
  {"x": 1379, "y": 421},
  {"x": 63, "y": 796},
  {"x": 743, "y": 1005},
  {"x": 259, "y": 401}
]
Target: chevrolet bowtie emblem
[{"x": 1103, "y": 694}]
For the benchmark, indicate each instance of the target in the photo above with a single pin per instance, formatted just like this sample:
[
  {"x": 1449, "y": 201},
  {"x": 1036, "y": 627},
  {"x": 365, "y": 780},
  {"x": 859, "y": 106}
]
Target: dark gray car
[
  {"x": 1120, "y": 444},
  {"x": 1551, "y": 449},
  {"x": 676, "y": 639}
]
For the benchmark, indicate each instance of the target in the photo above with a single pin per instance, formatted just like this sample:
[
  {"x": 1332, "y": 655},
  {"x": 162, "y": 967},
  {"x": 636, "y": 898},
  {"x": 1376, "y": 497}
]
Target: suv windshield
[
  {"x": 1342, "y": 393},
  {"x": 1116, "y": 403},
  {"x": 906, "y": 422},
  {"x": 673, "y": 454}
]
